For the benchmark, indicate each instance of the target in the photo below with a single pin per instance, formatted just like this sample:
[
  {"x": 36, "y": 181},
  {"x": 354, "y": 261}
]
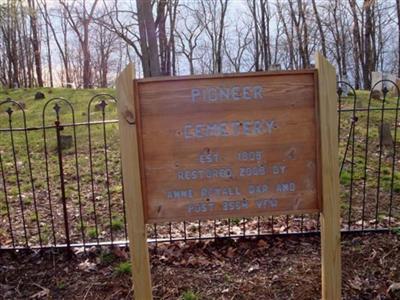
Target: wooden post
[
  {"x": 132, "y": 185},
  {"x": 330, "y": 210}
]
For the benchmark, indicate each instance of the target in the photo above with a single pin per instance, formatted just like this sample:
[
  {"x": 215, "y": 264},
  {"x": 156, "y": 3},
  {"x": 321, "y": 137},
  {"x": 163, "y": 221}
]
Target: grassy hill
[{"x": 94, "y": 196}]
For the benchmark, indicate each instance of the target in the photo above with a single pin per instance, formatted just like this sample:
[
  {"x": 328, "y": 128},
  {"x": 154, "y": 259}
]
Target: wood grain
[
  {"x": 165, "y": 106},
  {"x": 132, "y": 186},
  {"x": 330, "y": 214}
]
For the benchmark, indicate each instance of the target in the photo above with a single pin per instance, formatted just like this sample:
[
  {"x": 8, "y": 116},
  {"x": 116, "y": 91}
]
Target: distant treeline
[{"x": 86, "y": 43}]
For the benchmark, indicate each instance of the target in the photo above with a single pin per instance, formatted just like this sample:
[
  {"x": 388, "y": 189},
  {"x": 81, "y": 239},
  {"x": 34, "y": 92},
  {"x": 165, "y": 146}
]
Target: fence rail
[{"x": 61, "y": 180}]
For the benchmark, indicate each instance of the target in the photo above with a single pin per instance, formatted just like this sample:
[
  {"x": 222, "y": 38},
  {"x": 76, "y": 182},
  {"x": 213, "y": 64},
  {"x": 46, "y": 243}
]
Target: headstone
[
  {"x": 275, "y": 67},
  {"x": 375, "y": 78},
  {"x": 65, "y": 141},
  {"x": 391, "y": 78},
  {"x": 376, "y": 94},
  {"x": 39, "y": 96},
  {"x": 395, "y": 91},
  {"x": 386, "y": 136},
  {"x": 345, "y": 88},
  {"x": 98, "y": 107},
  {"x": 378, "y": 76}
]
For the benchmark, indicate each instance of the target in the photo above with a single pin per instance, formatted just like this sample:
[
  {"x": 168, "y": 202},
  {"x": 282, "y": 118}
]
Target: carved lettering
[
  {"x": 208, "y": 158},
  {"x": 250, "y": 155},
  {"x": 180, "y": 194},
  {"x": 204, "y": 174},
  {"x": 234, "y": 93},
  {"x": 219, "y": 191},
  {"x": 286, "y": 187},
  {"x": 201, "y": 207},
  {"x": 252, "y": 171},
  {"x": 232, "y": 128},
  {"x": 257, "y": 189},
  {"x": 235, "y": 205},
  {"x": 266, "y": 203},
  {"x": 278, "y": 169}
]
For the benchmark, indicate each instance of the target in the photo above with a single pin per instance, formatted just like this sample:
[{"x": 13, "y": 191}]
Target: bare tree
[
  {"x": 61, "y": 44},
  {"x": 235, "y": 51},
  {"x": 80, "y": 19},
  {"x": 212, "y": 16},
  {"x": 35, "y": 41},
  {"x": 148, "y": 39},
  {"x": 188, "y": 36},
  {"x": 398, "y": 36},
  {"x": 320, "y": 28}
]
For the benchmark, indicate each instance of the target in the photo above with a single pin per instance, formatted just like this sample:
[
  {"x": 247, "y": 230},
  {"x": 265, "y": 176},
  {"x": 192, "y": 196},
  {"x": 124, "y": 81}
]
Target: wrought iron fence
[{"x": 61, "y": 180}]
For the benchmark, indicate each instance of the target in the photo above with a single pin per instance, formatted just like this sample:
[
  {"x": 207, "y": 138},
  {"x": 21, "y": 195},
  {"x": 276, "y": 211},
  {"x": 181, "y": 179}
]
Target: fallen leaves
[
  {"x": 222, "y": 269},
  {"x": 44, "y": 293},
  {"x": 253, "y": 268},
  {"x": 87, "y": 266}
]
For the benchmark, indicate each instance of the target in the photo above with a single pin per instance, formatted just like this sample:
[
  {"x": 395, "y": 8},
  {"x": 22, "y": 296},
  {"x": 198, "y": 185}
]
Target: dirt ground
[{"x": 267, "y": 268}]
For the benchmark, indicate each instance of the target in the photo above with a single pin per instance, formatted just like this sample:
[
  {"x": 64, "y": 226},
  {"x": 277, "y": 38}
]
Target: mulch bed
[{"x": 268, "y": 268}]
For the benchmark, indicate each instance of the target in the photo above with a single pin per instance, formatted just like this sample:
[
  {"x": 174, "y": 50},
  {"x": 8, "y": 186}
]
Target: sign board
[
  {"x": 207, "y": 147},
  {"x": 228, "y": 146}
]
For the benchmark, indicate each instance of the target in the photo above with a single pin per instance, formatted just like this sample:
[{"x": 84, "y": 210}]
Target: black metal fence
[{"x": 61, "y": 182}]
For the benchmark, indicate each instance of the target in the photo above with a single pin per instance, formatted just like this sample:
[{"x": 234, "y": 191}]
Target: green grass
[
  {"x": 79, "y": 99},
  {"x": 190, "y": 295},
  {"x": 123, "y": 268},
  {"x": 92, "y": 233},
  {"x": 117, "y": 223},
  {"x": 106, "y": 258}
]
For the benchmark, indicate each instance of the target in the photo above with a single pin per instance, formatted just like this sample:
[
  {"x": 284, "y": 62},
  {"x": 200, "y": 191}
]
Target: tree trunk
[
  {"x": 148, "y": 39},
  {"x": 398, "y": 36},
  {"x": 320, "y": 29},
  {"x": 48, "y": 48},
  {"x": 256, "y": 46},
  {"x": 368, "y": 63},
  {"x": 35, "y": 42},
  {"x": 357, "y": 56}
]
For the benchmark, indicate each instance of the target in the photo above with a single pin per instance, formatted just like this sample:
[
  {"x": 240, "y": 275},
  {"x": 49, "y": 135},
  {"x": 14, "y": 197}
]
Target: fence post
[
  {"x": 132, "y": 185},
  {"x": 330, "y": 212},
  {"x": 59, "y": 128}
]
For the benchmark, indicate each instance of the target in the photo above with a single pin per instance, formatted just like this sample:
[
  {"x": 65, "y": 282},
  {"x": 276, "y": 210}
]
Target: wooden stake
[
  {"x": 330, "y": 213},
  {"x": 132, "y": 185}
]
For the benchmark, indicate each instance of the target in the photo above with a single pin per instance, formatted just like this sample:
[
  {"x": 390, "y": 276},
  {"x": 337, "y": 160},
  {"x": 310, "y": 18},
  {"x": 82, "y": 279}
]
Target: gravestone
[
  {"x": 385, "y": 136},
  {"x": 39, "y": 96},
  {"x": 376, "y": 94},
  {"x": 98, "y": 106},
  {"x": 65, "y": 141},
  {"x": 395, "y": 91},
  {"x": 344, "y": 87},
  {"x": 275, "y": 67},
  {"x": 375, "y": 78},
  {"x": 378, "y": 76}
]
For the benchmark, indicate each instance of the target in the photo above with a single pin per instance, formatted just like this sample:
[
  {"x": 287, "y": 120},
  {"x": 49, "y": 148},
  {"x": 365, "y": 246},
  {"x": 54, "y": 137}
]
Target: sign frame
[
  {"x": 250, "y": 211},
  {"x": 328, "y": 184}
]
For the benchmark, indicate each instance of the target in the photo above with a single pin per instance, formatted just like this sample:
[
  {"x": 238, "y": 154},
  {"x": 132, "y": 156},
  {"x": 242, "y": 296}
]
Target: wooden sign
[
  {"x": 228, "y": 146},
  {"x": 221, "y": 146}
]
